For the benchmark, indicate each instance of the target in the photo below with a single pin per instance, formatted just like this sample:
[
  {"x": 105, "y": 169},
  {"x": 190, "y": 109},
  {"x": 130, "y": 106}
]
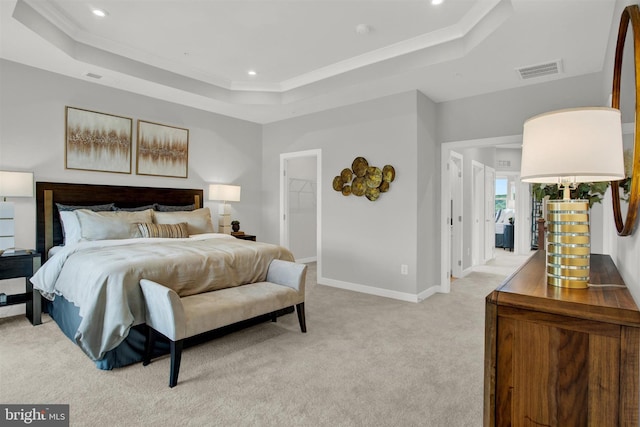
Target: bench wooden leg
[
  {"x": 301, "y": 319},
  {"x": 176, "y": 354},
  {"x": 149, "y": 343}
]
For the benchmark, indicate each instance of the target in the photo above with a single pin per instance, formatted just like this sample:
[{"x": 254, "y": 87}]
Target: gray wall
[
  {"x": 428, "y": 196},
  {"x": 364, "y": 243},
  {"x": 503, "y": 113},
  {"x": 511, "y": 155}
]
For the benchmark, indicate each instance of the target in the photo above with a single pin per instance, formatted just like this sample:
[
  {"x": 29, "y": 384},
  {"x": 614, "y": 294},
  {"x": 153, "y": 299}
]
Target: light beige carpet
[{"x": 365, "y": 361}]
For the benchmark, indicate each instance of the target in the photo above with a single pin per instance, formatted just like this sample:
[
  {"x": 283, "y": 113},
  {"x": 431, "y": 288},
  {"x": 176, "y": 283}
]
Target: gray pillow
[
  {"x": 169, "y": 208},
  {"x": 136, "y": 209},
  {"x": 95, "y": 208}
]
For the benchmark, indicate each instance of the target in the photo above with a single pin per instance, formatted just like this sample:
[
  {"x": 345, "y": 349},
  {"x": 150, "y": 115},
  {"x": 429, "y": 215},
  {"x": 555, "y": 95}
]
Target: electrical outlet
[{"x": 404, "y": 269}]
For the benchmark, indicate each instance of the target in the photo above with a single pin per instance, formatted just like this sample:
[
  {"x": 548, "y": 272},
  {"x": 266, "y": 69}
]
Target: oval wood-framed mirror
[{"x": 630, "y": 19}]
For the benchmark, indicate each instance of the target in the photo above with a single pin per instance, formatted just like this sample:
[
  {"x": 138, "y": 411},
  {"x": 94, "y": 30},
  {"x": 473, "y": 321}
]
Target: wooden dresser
[{"x": 561, "y": 357}]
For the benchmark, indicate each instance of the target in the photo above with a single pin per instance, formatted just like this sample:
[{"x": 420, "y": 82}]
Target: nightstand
[
  {"x": 245, "y": 237},
  {"x": 22, "y": 264}
]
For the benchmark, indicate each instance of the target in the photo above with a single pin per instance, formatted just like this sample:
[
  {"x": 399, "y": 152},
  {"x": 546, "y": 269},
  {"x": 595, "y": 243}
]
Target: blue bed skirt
[{"x": 131, "y": 350}]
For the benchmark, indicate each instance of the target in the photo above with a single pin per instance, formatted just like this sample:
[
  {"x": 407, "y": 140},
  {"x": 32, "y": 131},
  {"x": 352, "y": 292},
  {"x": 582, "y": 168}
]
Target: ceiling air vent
[{"x": 540, "y": 70}]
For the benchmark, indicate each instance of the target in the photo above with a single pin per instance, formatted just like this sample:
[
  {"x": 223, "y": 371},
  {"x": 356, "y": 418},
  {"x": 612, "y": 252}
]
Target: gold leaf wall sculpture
[{"x": 364, "y": 180}]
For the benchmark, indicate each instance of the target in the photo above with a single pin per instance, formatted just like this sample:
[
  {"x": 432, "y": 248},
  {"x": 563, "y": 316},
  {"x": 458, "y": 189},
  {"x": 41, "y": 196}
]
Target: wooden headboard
[{"x": 48, "y": 227}]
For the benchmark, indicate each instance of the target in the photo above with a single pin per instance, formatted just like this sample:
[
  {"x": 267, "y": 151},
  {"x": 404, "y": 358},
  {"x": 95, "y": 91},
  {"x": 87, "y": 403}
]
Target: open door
[
  {"x": 478, "y": 207},
  {"x": 455, "y": 218},
  {"x": 489, "y": 212}
]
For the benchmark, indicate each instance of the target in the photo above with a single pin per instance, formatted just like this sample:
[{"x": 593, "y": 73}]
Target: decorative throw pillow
[
  {"x": 198, "y": 221},
  {"x": 111, "y": 225},
  {"x": 69, "y": 221},
  {"x": 178, "y": 231},
  {"x": 169, "y": 208}
]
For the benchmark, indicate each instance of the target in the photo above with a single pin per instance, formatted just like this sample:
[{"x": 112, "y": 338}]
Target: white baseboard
[
  {"x": 371, "y": 290},
  {"x": 428, "y": 292},
  {"x": 466, "y": 272},
  {"x": 307, "y": 260}
]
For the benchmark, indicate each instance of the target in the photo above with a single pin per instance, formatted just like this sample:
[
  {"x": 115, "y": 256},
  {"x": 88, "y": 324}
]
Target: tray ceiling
[{"x": 308, "y": 55}]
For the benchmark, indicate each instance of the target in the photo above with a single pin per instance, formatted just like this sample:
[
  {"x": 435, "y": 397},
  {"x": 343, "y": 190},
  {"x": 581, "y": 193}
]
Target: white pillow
[
  {"x": 71, "y": 227},
  {"x": 198, "y": 221},
  {"x": 111, "y": 225},
  {"x": 69, "y": 221}
]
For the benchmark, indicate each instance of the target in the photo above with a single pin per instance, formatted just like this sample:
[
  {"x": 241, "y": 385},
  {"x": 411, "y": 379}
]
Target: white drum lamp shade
[
  {"x": 224, "y": 193},
  {"x": 574, "y": 145},
  {"x": 16, "y": 184}
]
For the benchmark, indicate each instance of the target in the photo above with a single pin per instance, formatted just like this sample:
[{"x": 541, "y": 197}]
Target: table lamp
[
  {"x": 224, "y": 193},
  {"x": 567, "y": 147},
  {"x": 12, "y": 184}
]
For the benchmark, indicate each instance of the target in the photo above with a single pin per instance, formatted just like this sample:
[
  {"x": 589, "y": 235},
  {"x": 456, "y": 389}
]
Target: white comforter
[{"x": 102, "y": 277}]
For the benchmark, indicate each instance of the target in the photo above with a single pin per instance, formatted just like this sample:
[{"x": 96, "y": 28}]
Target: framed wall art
[
  {"x": 97, "y": 141},
  {"x": 162, "y": 150}
]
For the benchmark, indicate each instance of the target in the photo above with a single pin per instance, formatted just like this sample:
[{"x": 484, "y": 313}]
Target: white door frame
[
  {"x": 522, "y": 238},
  {"x": 477, "y": 216},
  {"x": 284, "y": 200},
  {"x": 489, "y": 212},
  {"x": 446, "y": 148}
]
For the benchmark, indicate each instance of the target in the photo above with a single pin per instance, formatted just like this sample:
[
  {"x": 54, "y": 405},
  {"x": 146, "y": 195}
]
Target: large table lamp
[
  {"x": 224, "y": 193},
  {"x": 568, "y": 147},
  {"x": 12, "y": 184}
]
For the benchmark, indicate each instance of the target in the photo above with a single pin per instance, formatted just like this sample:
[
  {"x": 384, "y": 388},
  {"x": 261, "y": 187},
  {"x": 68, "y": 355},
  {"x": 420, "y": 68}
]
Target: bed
[{"x": 92, "y": 287}]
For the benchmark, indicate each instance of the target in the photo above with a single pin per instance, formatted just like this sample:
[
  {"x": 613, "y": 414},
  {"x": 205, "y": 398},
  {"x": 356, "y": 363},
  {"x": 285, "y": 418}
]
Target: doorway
[
  {"x": 300, "y": 205},
  {"x": 522, "y": 212}
]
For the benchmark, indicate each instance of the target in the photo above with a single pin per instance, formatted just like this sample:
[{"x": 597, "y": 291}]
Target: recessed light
[
  {"x": 252, "y": 72},
  {"x": 436, "y": 2},
  {"x": 99, "y": 12}
]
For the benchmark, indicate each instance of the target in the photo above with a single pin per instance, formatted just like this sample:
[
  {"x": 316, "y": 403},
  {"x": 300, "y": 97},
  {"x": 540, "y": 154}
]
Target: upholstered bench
[{"x": 179, "y": 318}]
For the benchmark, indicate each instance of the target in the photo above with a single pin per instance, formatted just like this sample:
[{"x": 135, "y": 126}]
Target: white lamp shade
[
  {"x": 16, "y": 184},
  {"x": 574, "y": 145},
  {"x": 225, "y": 193}
]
